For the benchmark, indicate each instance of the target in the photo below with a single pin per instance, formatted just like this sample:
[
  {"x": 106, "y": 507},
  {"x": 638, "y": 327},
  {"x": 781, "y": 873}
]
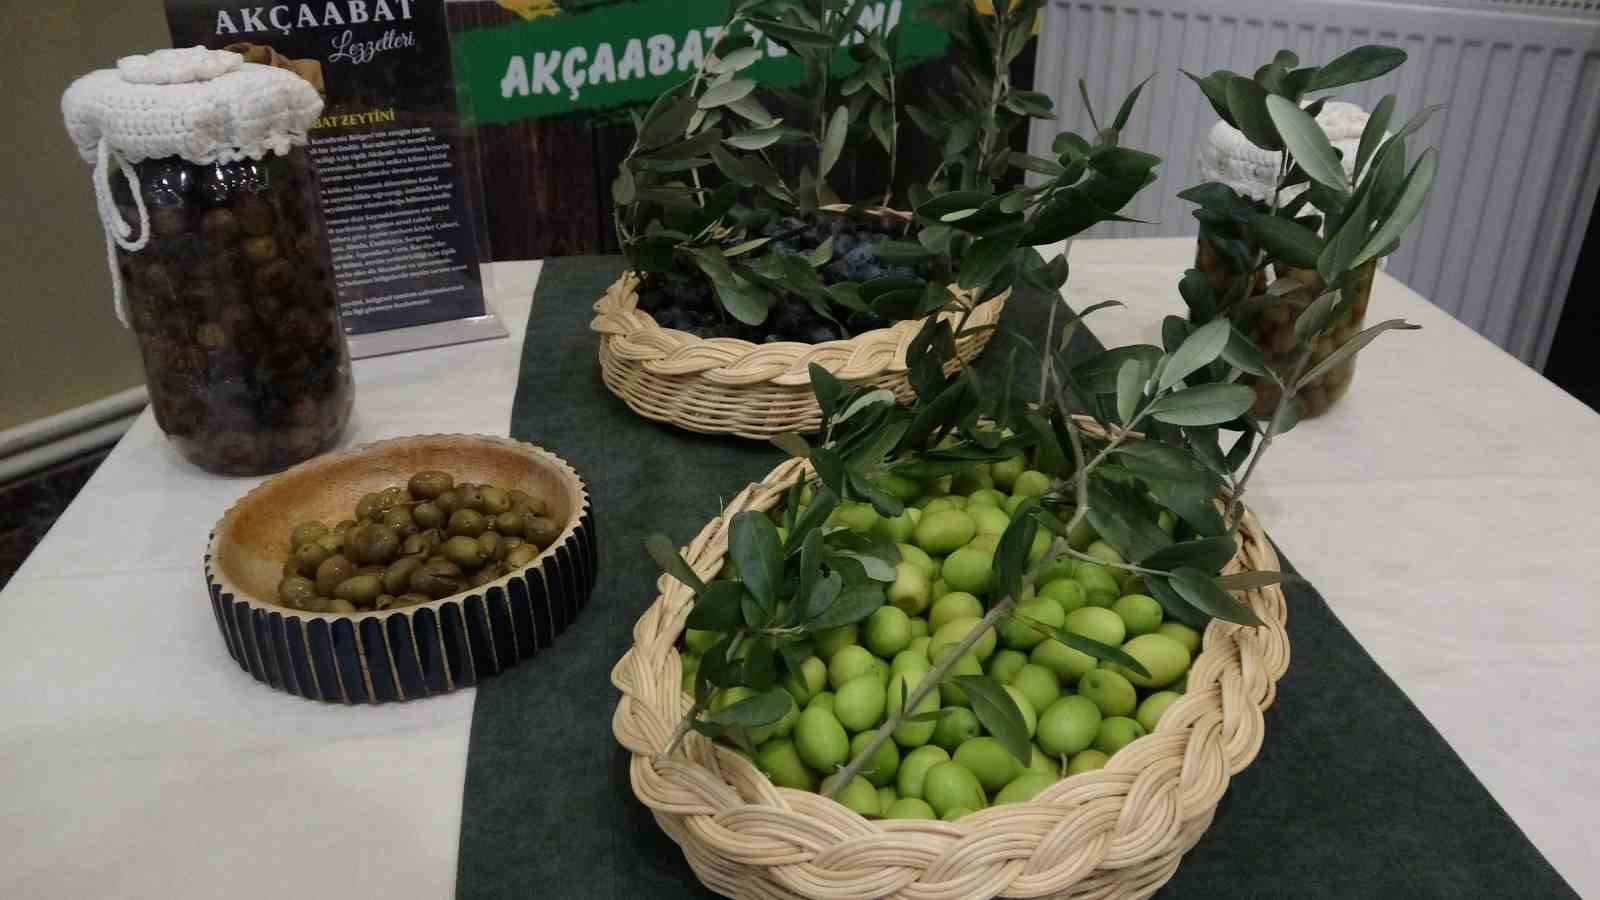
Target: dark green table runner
[{"x": 1354, "y": 793}]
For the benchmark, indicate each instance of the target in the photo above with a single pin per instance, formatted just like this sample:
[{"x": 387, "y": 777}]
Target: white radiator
[{"x": 1520, "y": 137}]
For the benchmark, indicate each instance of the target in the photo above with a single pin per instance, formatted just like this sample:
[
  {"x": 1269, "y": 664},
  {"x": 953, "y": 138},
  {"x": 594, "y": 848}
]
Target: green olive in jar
[
  {"x": 430, "y": 484},
  {"x": 530, "y": 506},
  {"x": 507, "y": 523},
  {"x": 333, "y": 543},
  {"x": 490, "y": 542},
  {"x": 397, "y": 577},
  {"x": 361, "y": 590},
  {"x": 466, "y": 523},
  {"x": 372, "y": 544},
  {"x": 465, "y": 552},
  {"x": 344, "y": 525},
  {"x": 333, "y": 570},
  {"x": 305, "y": 533},
  {"x": 437, "y": 579},
  {"x": 338, "y": 605},
  {"x": 427, "y": 514},
  {"x": 296, "y": 591},
  {"x": 448, "y": 502},
  {"x": 541, "y": 531},
  {"x": 389, "y": 498}
]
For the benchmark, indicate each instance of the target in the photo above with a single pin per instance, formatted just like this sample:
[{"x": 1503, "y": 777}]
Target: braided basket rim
[
  {"x": 1114, "y": 832},
  {"x": 733, "y": 363}
]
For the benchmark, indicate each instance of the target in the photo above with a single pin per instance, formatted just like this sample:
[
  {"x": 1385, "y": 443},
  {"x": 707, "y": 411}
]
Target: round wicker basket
[
  {"x": 731, "y": 386},
  {"x": 1116, "y": 832}
]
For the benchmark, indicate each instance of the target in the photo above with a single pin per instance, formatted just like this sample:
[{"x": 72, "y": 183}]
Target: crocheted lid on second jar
[
  {"x": 1230, "y": 158},
  {"x": 203, "y": 105}
]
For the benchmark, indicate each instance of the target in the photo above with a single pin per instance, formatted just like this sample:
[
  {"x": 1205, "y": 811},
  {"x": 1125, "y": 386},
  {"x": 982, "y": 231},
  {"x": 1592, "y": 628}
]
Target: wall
[{"x": 60, "y": 344}]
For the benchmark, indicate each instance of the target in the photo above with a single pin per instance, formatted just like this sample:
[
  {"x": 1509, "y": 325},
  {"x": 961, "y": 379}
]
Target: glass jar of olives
[{"x": 219, "y": 256}]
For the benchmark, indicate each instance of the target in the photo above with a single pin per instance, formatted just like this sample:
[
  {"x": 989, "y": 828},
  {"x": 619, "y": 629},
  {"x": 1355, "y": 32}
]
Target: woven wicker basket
[
  {"x": 1116, "y": 832},
  {"x": 731, "y": 386}
]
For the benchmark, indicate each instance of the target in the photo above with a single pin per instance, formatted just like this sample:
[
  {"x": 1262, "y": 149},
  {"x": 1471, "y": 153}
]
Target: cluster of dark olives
[
  {"x": 432, "y": 538},
  {"x": 234, "y": 305},
  {"x": 683, "y": 299}
]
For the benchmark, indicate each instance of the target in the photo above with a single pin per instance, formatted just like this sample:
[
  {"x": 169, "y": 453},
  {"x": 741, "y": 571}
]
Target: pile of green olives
[{"x": 431, "y": 538}]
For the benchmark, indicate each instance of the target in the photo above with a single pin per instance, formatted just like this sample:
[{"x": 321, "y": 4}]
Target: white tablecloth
[{"x": 1444, "y": 509}]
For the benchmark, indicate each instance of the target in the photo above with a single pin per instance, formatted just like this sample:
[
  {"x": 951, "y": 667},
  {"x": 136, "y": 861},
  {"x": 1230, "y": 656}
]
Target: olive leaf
[
  {"x": 717, "y": 608},
  {"x": 833, "y": 140},
  {"x": 1406, "y": 207},
  {"x": 1372, "y": 135},
  {"x": 1364, "y": 63},
  {"x": 756, "y": 549},
  {"x": 1205, "y": 404},
  {"x": 1011, "y": 555},
  {"x": 1247, "y": 101},
  {"x": 1352, "y": 347},
  {"x": 1206, "y": 554},
  {"x": 1102, "y": 652},
  {"x": 854, "y": 604},
  {"x": 1197, "y": 351},
  {"x": 665, "y": 553},
  {"x": 1249, "y": 581},
  {"x": 753, "y": 712},
  {"x": 1201, "y": 592},
  {"x": 1307, "y": 143},
  {"x": 998, "y": 712},
  {"x": 1130, "y": 388},
  {"x": 1286, "y": 240}
]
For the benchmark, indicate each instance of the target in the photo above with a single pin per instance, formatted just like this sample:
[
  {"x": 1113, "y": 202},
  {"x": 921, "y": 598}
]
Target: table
[{"x": 1452, "y": 496}]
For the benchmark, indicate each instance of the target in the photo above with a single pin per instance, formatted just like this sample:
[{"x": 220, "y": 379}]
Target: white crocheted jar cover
[
  {"x": 1230, "y": 158},
  {"x": 202, "y": 105}
]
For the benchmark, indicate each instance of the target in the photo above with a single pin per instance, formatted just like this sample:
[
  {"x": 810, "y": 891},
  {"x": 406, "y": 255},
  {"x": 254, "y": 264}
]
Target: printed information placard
[{"x": 400, "y": 190}]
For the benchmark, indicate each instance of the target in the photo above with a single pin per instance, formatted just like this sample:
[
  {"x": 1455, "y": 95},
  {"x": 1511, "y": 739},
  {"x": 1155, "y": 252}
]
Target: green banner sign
[{"x": 628, "y": 53}]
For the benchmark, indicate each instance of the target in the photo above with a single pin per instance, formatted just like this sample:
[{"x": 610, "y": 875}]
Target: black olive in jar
[{"x": 244, "y": 353}]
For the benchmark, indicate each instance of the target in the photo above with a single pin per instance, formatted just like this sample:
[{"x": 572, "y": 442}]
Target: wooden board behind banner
[{"x": 547, "y": 182}]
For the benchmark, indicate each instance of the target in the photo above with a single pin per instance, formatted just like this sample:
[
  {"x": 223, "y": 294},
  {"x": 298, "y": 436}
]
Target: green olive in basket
[
  {"x": 909, "y": 808},
  {"x": 1039, "y": 761},
  {"x": 849, "y": 664},
  {"x": 1117, "y": 732},
  {"x": 1183, "y": 634},
  {"x": 1140, "y": 613},
  {"x": 1029, "y": 717},
  {"x": 821, "y": 740},
  {"x": 781, "y": 761},
  {"x": 988, "y": 759},
  {"x": 308, "y": 556},
  {"x": 910, "y": 733},
  {"x": 1067, "y": 594},
  {"x": 305, "y": 533},
  {"x": 1164, "y": 658},
  {"x": 1038, "y": 684},
  {"x": 397, "y": 577},
  {"x": 430, "y": 484},
  {"x": 428, "y": 515},
  {"x": 970, "y": 569},
  {"x": 466, "y": 523},
  {"x": 1004, "y": 664},
  {"x": 1023, "y": 788},
  {"x": 437, "y": 579},
  {"x": 944, "y": 531},
  {"x": 860, "y": 797},
  {"x": 540, "y": 530},
  {"x": 812, "y": 678},
  {"x": 950, "y": 786},
  {"x": 1110, "y": 691},
  {"x": 882, "y": 765},
  {"x": 951, "y": 633},
  {"x": 956, "y": 726},
  {"x": 1097, "y": 624},
  {"x": 296, "y": 591},
  {"x": 465, "y": 552},
  {"x": 858, "y": 704},
  {"x": 372, "y": 544},
  {"x": 949, "y": 692},
  {"x": 1151, "y": 710},
  {"x": 366, "y": 505},
  {"x": 362, "y": 590},
  {"x": 1005, "y": 472},
  {"x": 1030, "y": 483},
  {"x": 914, "y": 768},
  {"x": 974, "y": 479},
  {"x": 400, "y": 521},
  {"x": 911, "y": 591},
  {"x": 1087, "y": 761},
  {"x": 1100, "y": 587},
  {"x": 1030, "y": 623},
  {"x": 1069, "y": 725},
  {"x": 888, "y": 631},
  {"x": 897, "y": 528},
  {"x": 331, "y": 572}
]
